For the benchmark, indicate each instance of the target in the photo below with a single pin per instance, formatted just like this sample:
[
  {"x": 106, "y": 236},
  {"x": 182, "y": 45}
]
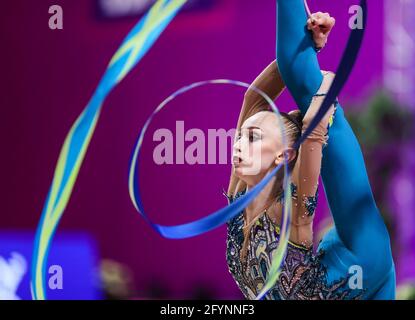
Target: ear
[{"x": 289, "y": 153}]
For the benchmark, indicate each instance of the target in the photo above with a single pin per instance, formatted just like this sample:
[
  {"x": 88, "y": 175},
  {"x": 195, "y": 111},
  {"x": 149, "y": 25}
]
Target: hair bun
[{"x": 297, "y": 117}]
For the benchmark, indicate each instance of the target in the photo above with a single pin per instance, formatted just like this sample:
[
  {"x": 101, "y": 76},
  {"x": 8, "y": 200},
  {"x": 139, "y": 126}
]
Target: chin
[
  {"x": 237, "y": 171},
  {"x": 243, "y": 174}
]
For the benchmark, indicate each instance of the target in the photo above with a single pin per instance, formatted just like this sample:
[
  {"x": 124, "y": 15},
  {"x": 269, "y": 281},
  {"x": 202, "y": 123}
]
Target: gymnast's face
[{"x": 258, "y": 147}]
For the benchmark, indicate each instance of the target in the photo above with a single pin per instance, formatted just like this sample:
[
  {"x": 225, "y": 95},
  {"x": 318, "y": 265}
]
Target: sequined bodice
[{"x": 302, "y": 275}]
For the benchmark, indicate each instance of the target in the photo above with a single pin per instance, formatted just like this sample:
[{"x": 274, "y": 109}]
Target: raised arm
[
  {"x": 306, "y": 171},
  {"x": 272, "y": 79},
  {"x": 271, "y": 83}
]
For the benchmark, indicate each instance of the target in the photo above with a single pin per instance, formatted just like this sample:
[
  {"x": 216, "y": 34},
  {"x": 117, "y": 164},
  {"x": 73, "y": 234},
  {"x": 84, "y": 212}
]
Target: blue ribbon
[
  {"x": 220, "y": 216},
  {"x": 223, "y": 215}
]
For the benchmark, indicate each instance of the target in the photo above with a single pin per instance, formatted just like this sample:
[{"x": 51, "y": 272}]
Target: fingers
[
  {"x": 330, "y": 22},
  {"x": 320, "y": 18},
  {"x": 320, "y": 22},
  {"x": 319, "y": 15}
]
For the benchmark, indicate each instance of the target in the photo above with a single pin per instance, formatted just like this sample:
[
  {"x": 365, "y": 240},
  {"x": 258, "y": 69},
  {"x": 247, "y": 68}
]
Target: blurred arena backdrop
[{"x": 103, "y": 247}]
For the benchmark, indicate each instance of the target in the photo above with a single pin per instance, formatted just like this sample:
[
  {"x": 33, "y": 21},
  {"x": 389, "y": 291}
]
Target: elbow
[
  {"x": 320, "y": 129},
  {"x": 249, "y": 92},
  {"x": 250, "y": 96},
  {"x": 324, "y": 122}
]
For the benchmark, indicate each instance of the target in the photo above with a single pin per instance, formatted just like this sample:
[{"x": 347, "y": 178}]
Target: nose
[{"x": 237, "y": 146}]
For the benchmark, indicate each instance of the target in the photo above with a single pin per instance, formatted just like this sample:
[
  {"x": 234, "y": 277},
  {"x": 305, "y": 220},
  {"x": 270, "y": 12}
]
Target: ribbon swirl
[{"x": 135, "y": 46}]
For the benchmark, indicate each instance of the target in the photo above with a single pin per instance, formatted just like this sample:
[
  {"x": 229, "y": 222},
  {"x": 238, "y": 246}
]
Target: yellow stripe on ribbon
[{"x": 80, "y": 134}]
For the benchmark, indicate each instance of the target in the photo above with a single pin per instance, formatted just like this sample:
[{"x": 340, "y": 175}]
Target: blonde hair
[{"x": 292, "y": 130}]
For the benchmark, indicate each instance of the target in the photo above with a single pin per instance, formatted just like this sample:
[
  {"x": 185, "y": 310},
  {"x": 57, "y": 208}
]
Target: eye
[{"x": 253, "y": 136}]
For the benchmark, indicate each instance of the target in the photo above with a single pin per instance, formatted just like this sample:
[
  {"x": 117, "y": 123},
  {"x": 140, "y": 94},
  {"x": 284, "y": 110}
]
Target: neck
[{"x": 261, "y": 202}]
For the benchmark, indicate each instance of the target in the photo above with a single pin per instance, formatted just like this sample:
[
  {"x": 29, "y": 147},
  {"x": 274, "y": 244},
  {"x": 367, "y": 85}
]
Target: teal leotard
[{"x": 359, "y": 243}]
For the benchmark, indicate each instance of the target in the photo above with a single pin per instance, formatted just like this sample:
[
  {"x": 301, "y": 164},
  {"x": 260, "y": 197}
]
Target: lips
[{"x": 236, "y": 160}]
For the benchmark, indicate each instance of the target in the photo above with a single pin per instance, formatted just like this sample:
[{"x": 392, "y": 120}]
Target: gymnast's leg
[
  {"x": 296, "y": 57},
  {"x": 357, "y": 219}
]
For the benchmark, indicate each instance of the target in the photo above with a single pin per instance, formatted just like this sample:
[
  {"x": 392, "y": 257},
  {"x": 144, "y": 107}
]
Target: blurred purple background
[{"x": 48, "y": 77}]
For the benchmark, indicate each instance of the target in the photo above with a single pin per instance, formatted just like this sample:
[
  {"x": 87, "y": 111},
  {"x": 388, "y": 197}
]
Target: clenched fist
[{"x": 320, "y": 25}]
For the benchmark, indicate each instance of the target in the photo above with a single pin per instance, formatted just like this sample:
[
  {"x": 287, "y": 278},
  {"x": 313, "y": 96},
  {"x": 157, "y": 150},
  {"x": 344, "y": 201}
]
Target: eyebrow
[{"x": 249, "y": 128}]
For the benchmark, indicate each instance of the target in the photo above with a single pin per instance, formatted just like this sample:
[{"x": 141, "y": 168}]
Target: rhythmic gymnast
[{"x": 358, "y": 245}]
